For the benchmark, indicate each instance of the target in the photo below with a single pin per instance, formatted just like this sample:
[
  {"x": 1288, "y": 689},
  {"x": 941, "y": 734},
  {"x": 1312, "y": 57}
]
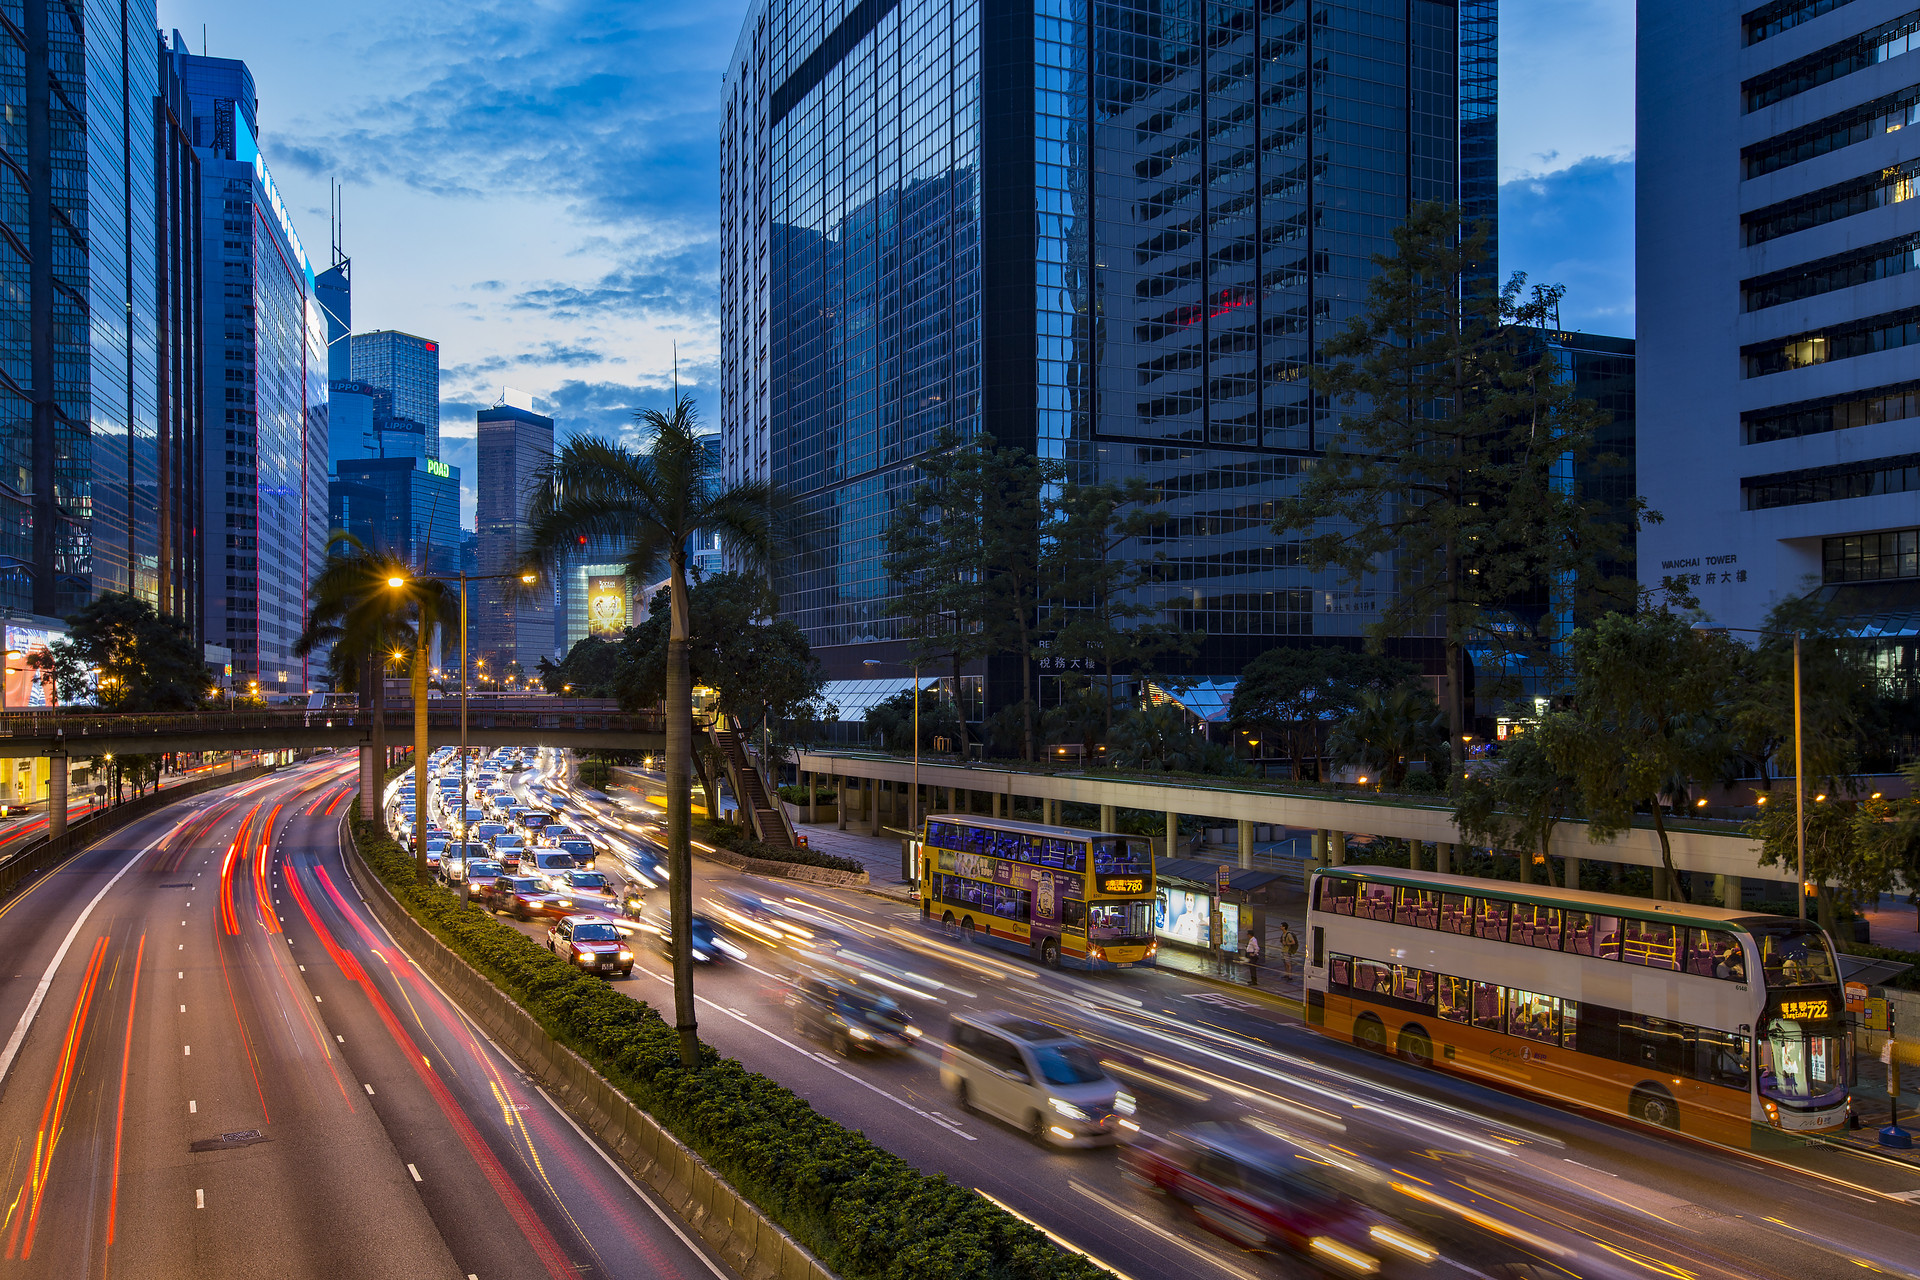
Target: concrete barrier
[
  {"x": 749, "y": 1241},
  {"x": 785, "y": 870}
]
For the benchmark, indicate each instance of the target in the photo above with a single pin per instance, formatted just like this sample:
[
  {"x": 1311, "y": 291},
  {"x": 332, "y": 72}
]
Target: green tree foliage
[
  {"x": 1447, "y": 490},
  {"x": 358, "y": 618},
  {"x": 590, "y": 668},
  {"x": 1517, "y": 800},
  {"x": 1841, "y": 706},
  {"x": 129, "y": 657},
  {"x": 1650, "y": 715},
  {"x": 1159, "y": 739},
  {"x": 655, "y": 501},
  {"x": 1300, "y": 692},
  {"x": 1084, "y": 715},
  {"x": 1387, "y": 729},
  {"x": 891, "y": 721}
]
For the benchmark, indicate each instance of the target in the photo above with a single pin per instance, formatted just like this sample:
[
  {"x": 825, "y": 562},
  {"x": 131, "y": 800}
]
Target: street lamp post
[{"x": 913, "y": 802}]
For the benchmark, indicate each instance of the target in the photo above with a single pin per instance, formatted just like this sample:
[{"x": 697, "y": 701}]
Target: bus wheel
[
  {"x": 1654, "y": 1105},
  {"x": 947, "y": 924},
  {"x": 966, "y": 931},
  {"x": 1416, "y": 1046},
  {"x": 1050, "y": 954},
  {"x": 1369, "y": 1034}
]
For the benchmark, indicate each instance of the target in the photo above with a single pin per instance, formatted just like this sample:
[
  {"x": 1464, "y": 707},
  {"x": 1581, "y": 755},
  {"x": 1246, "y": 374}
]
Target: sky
[{"x": 534, "y": 184}]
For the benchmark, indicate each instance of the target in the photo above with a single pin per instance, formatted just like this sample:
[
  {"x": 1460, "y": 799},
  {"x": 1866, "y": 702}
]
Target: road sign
[{"x": 1222, "y": 876}]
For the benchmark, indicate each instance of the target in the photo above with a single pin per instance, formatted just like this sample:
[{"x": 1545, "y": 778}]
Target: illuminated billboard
[{"x": 606, "y": 606}]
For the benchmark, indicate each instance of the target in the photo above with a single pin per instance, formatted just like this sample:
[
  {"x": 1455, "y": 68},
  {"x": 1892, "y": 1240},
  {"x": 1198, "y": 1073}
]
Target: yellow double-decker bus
[
  {"x": 1061, "y": 895},
  {"x": 1723, "y": 1024}
]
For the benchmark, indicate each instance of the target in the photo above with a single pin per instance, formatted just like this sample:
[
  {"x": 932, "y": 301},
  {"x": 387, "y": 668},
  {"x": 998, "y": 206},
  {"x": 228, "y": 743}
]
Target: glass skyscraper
[
  {"x": 409, "y": 368},
  {"x": 1112, "y": 233},
  {"x": 507, "y": 625},
  {"x": 265, "y": 373}
]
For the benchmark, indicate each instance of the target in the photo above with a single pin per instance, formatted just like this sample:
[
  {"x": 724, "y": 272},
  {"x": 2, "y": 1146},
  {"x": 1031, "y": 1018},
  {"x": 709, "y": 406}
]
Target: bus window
[
  {"x": 1536, "y": 926},
  {"x": 1376, "y": 902},
  {"x": 1340, "y": 971},
  {"x": 1722, "y": 1057},
  {"x": 1489, "y": 1006},
  {"x": 1588, "y": 934},
  {"x": 1653, "y": 943},
  {"x": 1456, "y": 999},
  {"x": 1067, "y": 855},
  {"x": 1373, "y": 979},
  {"x": 1417, "y": 907},
  {"x": 1660, "y": 1044},
  {"x": 1705, "y": 952},
  {"x": 1792, "y": 953},
  {"x": 1533, "y": 1016},
  {"x": 1012, "y": 904},
  {"x": 1569, "y": 1022},
  {"x": 1456, "y": 914},
  {"x": 1413, "y": 985},
  {"x": 1490, "y": 920},
  {"x": 1336, "y": 896},
  {"x": 1073, "y": 915}
]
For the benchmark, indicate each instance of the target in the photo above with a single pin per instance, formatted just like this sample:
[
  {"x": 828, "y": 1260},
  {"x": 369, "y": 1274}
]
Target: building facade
[
  {"x": 264, "y": 368},
  {"x": 1779, "y": 305},
  {"x": 505, "y": 624},
  {"x": 419, "y": 514},
  {"x": 408, "y": 368},
  {"x": 1113, "y": 235},
  {"x": 180, "y": 313}
]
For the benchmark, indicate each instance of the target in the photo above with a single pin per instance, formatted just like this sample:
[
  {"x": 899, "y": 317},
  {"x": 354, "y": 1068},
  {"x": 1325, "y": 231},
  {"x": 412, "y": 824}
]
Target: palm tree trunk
[
  {"x": 680, "y": 808},
  {"x": 420, "y": 749},
  {"x": 959, "y": 707}
]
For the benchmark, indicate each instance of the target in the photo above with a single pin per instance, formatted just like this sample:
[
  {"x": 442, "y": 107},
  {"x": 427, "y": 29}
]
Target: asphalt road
[
  {"x": 228, "y": 1069},
  {"x": 1559, "y": 1190}
]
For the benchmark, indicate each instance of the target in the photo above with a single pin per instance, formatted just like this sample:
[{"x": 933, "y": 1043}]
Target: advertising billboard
[{"x": 606, "y": 606}]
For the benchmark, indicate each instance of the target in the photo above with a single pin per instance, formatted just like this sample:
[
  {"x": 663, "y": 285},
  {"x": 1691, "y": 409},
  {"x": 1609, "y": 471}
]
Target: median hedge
[
  {"x": 863, "y": 1211},
  {"x": 731, "y": 835}
]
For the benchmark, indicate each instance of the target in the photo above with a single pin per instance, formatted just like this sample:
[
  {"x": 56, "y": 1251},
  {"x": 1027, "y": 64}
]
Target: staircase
[{"x": 769, "y": 820}]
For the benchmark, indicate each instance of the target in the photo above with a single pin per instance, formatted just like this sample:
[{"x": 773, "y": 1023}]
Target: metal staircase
[{"x": 770, "y": 825}]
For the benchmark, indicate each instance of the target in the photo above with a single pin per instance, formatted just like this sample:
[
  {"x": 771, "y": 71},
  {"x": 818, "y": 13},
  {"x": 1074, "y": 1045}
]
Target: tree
[
  {"x": 129, "y": 657},
  {"x": 1518, "y": 801},
  {"x": 656, "y": 501},
  {"x": 1840, "y": 703},
  {"x": 892, "y": 720},
  {"x": 1159, "y": 738},
  {"x": 1299, "y": 691},
  {"x": 1649, "y": 716},
  {"x": 1386, "y": 729},
  {"x": 588, "y": 670},
  {"x": 1451, "y": 470}
]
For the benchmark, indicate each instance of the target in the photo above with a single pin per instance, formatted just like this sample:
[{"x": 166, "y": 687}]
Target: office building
[
  {"x": 1114, "y": 236},
  {"x": 506, "y": 624},
  {"x": 265, "y": 373},
  {"x": 179, "y": 315},
  {"x": 419, "y": 514},
  {"x": 1779, "y": 306},
  {"x": 408, "y": 368},
  {"x": 357, "y": 509}
]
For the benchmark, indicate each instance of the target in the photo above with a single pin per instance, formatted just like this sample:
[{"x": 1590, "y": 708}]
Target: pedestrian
[
  {"x": 1289, "y": 948},
  {"x": 1253, "y": 959}
]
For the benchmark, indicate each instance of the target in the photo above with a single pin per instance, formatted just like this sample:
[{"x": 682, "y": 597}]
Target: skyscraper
[
  {"x": 506, "y": 625},
  {"x": 78, "y": 351},
  {"x": 419, "y": 516},
  {"x": 409, "y": 368},
  {"x": 265, "y": 372},
  {"x": 180, "y": 394},
  {"x": 1113, "y": 235},
  {"x": 1779, "y": 307}
]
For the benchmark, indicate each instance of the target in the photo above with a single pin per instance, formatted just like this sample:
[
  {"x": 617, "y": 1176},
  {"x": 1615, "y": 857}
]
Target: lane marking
[
  {"x": 368, "y": 1088},
  {"x": 416, "y": 1174},
  {"x": 120, "y": 1115},
  {"x": 193, "y": 1108},
  {"x": 199, "y": 1198},
  {"x": 183, "y": 1008},
  {"x": 342, "y": 1039},
  {"x": 189, "y": 1051}
]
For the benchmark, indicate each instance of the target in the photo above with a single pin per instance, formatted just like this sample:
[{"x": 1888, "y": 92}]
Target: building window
[
  {"x": 1842, "y": 342},
  {"x": 1832, "y": 484},
  {"x": 1815, "y": 417},
  {"x": 1841, "y": 271},
  {"x": 1830, "y": 204},
  {"x": 1855, "y": 53},
  {"x": 1871, "y": 557},
  {"x": 1888, "y": 114},
  {"x": 1784, "y": 15}
]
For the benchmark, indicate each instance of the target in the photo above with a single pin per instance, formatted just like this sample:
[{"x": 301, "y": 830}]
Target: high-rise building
[
  {"x": 419, "y": 518},
  {"x": 505, "y": 624},
  {"x": 265, "y": 372},
  {"x": 180, "y": 313},
  {"x": 358, "y": 509},
  {"x": 408, "y": 368},
  {"x": 78, "y": 349},
  {"x": 1112, "y": 235},
  {"x": 1779, "y": 306}
]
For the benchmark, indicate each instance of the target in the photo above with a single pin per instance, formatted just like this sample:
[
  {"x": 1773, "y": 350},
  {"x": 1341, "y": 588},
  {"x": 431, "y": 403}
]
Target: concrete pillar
[
  {"x": 840, "y": 799},
  {"x": 1526, "y": 866},
  {"x": 1173, "y": 834},
  {"x": 1731, "y": 891},
  {"x": 1318, "y": 844},
  {"x": 813, "y": 810},
  {"x": 1246, "y": 843},
  {"x": 1570, "y": 873},
  {"x": 999, "y": 804},
  {"x": 874, "y": 787},
  {"x": 1443, "y": 859},
  {"x": 1106, "y": 817},
  {"x": 1337, "y": 852},
  {"x": 369, "y": 783},
  {"x": 57, "y": 797}
]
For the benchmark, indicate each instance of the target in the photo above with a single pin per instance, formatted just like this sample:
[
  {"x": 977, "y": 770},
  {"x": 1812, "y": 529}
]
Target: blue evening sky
[{"x": 533, "y": 184}]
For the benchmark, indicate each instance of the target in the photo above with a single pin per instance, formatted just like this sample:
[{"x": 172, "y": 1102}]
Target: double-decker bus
[
  {"x": 1062, "y": 895},
  {"x": 1723, "y": 1024}
]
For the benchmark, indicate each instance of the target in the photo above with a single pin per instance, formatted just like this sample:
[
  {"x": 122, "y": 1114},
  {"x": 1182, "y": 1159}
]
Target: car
[
  {"x": 592, "y": 944},
  {"x": 1253, "y": 1185},
  {"x": 476, "y": 871},
  {"x": 457, "y": 853},
  {"x": 709, "y": 943},
  {"x": 849, "y": 1017},
  {"x": 522, "y": 897},
  {"x": 550, "y": 863},
  {"x": 509, "y": 847},
  {"x": 1036, "y": 1077},
  {"x": 579, "y": 849},
  {"x": 582, "y": 890},
  {"x": 643, "y": 866}
]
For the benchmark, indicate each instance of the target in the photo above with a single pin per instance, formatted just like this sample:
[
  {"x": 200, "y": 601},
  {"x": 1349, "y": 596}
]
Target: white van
[{"x": 1036, "y": 1077}]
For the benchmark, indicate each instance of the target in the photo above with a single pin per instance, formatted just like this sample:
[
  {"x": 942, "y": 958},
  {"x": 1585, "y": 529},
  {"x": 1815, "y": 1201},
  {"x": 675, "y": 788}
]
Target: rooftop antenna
[
  {"x": 676, "y": 373},
  {"x": 203, "y": 39}
]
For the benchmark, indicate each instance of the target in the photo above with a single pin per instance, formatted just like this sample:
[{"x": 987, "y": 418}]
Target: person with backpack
[{"x": 1289, "y": 948}]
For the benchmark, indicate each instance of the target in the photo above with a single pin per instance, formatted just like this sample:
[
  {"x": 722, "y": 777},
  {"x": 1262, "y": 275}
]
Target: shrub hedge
[
  {"x": 866, "y": 1213},
  {"x": 729, "y": 835}
]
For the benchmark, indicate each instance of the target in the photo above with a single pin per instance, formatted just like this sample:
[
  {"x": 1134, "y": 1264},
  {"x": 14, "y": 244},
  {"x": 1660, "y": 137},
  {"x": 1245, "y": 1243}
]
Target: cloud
[{"x": 1575, "y": 227}]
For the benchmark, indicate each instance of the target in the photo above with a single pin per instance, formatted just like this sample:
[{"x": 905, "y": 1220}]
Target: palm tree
[
  {"x": 363, "y": 619},
  {"x": 1387, "y": 729},
  {"x": 654, "y": 501},
  {"x": 430, "y": 601}
]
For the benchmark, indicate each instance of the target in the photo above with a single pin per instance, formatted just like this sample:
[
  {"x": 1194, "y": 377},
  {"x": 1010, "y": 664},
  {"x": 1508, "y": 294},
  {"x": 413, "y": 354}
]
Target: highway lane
[
  {"x": 232, "y": 1072},
  {"x": 1617, "y": 1198}
]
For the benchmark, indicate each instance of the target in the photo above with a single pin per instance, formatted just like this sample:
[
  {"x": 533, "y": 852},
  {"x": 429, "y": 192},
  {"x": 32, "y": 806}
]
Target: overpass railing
[{"x": 75, "y": 726}]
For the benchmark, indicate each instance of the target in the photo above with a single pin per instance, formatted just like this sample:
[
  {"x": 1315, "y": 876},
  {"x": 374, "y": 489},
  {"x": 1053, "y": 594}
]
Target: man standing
[
  {"x": 1289, "y": 948},
  {"x": 1253, "y": 959}
]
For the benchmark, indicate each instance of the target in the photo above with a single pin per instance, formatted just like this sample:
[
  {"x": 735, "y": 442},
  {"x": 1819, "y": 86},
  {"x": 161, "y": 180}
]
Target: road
[
  {"x": 219, "y": 1065},
  {"x": 36, "y": 824},
  {"x": 1569, "y": 1191}
]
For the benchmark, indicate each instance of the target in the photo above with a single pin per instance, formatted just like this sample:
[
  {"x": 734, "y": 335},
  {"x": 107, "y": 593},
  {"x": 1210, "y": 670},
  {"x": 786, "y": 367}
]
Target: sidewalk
[{"x": 1893, "y": 923}]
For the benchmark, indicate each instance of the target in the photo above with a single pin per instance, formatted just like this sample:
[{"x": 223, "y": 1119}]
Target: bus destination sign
[
  {"x": 1122, "y": 884},
  {"x": 1806, "y": 1010}
]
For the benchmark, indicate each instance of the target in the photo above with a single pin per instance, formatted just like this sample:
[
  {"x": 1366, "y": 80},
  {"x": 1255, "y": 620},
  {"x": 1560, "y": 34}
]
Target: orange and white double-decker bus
[{"x": 1723, "y": 1024}]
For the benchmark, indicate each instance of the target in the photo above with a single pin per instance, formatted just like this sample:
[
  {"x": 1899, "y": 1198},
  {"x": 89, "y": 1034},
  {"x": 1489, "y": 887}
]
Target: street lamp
[
  {"x": 1799, "y": 772},
  {"x": 913, "y": 804}
]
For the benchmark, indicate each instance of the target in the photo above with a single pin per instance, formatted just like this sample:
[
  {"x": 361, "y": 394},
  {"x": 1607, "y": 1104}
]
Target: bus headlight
[{"x": 1331, "y": 1249}]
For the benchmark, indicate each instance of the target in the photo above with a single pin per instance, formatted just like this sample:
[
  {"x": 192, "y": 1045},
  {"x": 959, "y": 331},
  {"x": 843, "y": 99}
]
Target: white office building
[{"x": 1779, "y": 304}]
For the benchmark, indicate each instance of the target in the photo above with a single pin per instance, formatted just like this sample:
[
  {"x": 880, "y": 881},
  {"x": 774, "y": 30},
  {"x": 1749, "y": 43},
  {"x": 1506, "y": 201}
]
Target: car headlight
[
  {"x": 1403, "y": 1243},
  {"x": 585, "y": 957},
  {"x": 1066, "y": 1109},
  {"x": 698, "y": 954},
  {"x": 626, "y": 955},
  {"x": 1124, "y": 1103},
  {"x": 1347, "y": 1256},
  {"x": 860, "y": 1033},
  {"x": 912, "y": 1032}
]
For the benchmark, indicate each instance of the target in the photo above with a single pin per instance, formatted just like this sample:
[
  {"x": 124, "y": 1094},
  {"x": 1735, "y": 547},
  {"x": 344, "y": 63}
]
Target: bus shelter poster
[{"x": 606, "y": 606}]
